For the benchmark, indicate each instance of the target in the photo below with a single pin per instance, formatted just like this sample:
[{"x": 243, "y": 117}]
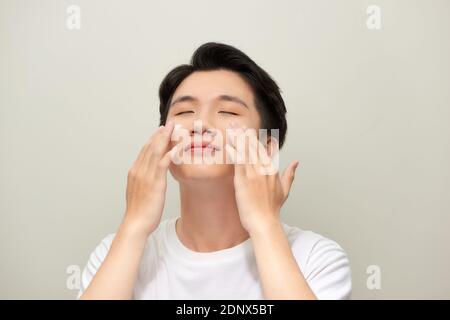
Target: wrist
[
  {"x": 265, "y": 226},
  {"x": 134, "y": 229}
]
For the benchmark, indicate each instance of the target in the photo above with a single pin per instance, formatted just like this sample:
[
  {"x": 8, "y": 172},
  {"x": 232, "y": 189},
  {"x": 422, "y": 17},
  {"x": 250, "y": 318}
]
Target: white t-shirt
[{"x": 169, "y": 270}]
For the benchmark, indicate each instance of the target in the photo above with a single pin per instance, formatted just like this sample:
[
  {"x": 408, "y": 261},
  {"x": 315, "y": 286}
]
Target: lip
[{"x": 203, "y": 146}]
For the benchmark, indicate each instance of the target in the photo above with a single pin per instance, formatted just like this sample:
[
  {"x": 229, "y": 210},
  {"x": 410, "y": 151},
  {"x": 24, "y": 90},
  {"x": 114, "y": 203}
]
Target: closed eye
[
  {"x": 184, "y": 112},
  {"x": 229, "y": 112}
]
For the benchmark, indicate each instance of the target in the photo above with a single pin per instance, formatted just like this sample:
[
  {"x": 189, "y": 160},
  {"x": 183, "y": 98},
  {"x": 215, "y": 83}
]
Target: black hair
[{"x": 215, "y": 56}]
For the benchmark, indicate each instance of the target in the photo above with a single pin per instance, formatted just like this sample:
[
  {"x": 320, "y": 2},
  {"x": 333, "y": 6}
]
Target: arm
[
  {"x": 260, "y": 193},
  {"x": 117, "y": 274},
  {"x": 146, "y": 187},
  {"x": 280, "y": 274}
]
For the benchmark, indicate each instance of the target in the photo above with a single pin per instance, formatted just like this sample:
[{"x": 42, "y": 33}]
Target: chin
[{"x": 199, "y": 172}]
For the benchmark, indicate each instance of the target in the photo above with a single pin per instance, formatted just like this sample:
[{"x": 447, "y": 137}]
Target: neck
[{"x": 209, "y": 216}]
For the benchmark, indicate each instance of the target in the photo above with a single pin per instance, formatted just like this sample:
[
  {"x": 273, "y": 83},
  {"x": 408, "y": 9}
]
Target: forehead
[{"x": 207, "y": 85}]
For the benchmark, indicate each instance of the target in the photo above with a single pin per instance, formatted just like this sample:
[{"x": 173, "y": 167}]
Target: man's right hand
[
  {"x": 147, "y": 182},
  {"x": 146, "y": 190}
]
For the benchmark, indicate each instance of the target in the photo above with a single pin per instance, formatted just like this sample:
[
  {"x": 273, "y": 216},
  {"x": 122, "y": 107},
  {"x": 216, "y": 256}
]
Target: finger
[
  {"x": 274, "y": 147},
  {"x": 259, "y": 155},
  {"x": 270, "y": 157},
  {"x": 263, "y": 154},
  {"x": 265, "y": 164},
  {"x": 167, "y": 159},
  {"x": 146, "y": 146},
  {"x": 185, "y": 157},
  {"x": 239, "y": 169},
  {"x": 252, "y": 164},
  {"x": 248, "y": 139},
  {"x": 288, "y": 177},
  {"x": 242, "y": 146},
  {"x": 161, "y": 143},
  {"x": 231, "y": 153},
  {"x": 231, "y": 135},
  {"x": 248, "y": 156}
]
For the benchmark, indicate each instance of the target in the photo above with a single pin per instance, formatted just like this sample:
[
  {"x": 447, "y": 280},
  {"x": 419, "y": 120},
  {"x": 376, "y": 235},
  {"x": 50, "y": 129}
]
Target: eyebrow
[
  {"x": 225, "y": 97},
  {"x": 222, "y": 97},
  {"x": 183, "y": 99}
]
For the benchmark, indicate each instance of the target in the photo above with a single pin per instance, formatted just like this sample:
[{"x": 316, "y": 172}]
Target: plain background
[{"x": 368, "y": 117}]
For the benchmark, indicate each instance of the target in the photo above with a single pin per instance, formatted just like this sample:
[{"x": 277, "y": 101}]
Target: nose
[
  {"x": 202, "y": 125},
  {"x": 203, "y": 129}
]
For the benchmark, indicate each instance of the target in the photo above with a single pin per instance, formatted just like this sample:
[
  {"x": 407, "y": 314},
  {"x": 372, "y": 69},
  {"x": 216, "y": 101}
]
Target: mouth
[{"x": 201, "y": 147}]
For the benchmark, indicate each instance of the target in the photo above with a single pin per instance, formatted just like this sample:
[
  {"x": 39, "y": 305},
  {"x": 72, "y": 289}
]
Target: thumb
[{"x": 288, "y": 177}]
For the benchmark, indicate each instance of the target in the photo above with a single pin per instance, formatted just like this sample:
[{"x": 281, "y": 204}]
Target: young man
[{"x": 228, "y": 242}]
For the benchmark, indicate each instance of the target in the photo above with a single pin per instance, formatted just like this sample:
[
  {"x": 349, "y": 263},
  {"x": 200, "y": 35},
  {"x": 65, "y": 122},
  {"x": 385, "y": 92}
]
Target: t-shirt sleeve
[
  {"x": 94, "y": 262},
  {"x": 327, "y": 269}
]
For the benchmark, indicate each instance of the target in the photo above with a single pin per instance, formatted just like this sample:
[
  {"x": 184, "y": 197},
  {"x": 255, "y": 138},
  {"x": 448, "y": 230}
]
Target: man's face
[{"x": 216, "y": 98}]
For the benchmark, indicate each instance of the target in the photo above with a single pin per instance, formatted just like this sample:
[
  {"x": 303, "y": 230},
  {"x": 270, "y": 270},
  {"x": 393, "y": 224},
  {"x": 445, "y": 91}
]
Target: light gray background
[{"x": 368, "y": 115}]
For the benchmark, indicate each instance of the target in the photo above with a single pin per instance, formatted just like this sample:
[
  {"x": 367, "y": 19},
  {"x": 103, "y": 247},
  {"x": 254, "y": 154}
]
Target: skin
[{"x": 221, "y": 204}]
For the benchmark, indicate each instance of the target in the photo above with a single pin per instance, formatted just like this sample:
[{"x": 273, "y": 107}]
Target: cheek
[{"x": 238, "y": 121}]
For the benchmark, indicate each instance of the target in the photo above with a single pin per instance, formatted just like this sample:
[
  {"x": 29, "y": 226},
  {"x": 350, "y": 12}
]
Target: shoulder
[
  {"x": 95, "y": 261},
  {"x": 98, "y": 255},
  {"x": 101, "y": 250},
  {"x": 105, "y": 243},
  {"x": 323, "y": 262},
  {"x": 305, "y": 243}
]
